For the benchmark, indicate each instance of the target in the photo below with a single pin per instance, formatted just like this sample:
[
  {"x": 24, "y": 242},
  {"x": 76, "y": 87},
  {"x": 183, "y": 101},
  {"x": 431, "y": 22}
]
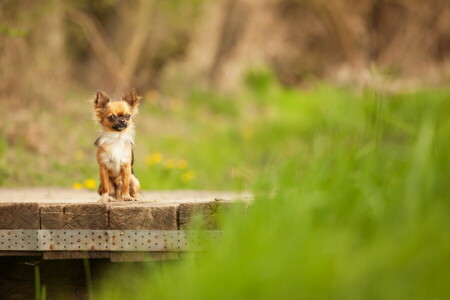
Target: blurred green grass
[
  {"x": 352, "y": 197},
  {"x": 351, "y": 187},
  {"x": 212, "y": 141}
]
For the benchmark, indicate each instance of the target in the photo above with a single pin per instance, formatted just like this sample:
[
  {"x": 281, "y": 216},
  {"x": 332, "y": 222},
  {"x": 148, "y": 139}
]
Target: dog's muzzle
[{"x": 119, "y": 126}]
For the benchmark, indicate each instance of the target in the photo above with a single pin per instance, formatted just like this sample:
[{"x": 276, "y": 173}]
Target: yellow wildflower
[
  {"x": 153, "y": 158},
  {"x": 77, "y": 186},
  {"x": 187, "y": 176},
  {"x": 182, "y": 164},
  {"x": 90, "y": 184}
]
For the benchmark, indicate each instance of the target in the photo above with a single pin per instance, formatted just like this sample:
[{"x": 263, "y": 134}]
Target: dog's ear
[
  {"x": 131, "y": 98},
  {"x": 101, "y": 99}
]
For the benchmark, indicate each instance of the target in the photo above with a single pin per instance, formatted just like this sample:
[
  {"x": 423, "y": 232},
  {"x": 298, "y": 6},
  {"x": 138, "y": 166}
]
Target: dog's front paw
[
  {"x": 127, "y": 198},
  {"x": 104, "y": 198}
]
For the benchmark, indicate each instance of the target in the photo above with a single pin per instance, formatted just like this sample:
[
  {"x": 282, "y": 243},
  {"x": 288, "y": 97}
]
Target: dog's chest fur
[{"x": 115, "y": 149}]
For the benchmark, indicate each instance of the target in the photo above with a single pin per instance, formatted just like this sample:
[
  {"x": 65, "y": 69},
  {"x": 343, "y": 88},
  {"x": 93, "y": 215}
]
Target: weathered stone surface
[
  {"x": 207, "y": 214},
  {"x": 143, "y": 217},
  {"x": 19, "y": 216}
]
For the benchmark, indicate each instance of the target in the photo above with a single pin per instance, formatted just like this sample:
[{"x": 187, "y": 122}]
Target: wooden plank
[
  {"x": 44, "y": 208},
  {"x": 55, "y": 255},
  {"x": 143, "y": 256},
  {"x": 20, "y": 253},
  {"x": 74, "y": 216},
  {"x": 207, "y": 214},
  {"x": 19, "y": 216},
  {"x": 143, "y": 217},
  {"x": 52, "y": 217},
  {"x": 86, "y": 216},
  {"x": 149, "y": 216}
]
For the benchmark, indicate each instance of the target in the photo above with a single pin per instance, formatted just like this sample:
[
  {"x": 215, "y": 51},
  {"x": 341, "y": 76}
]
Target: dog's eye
[
  {"x": 127, "y": 116},
  {"x": 111, "y": 118}
]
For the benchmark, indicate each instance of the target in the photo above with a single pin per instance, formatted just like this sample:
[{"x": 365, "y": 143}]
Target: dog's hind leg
[
  {"x": 100, "y": 189},
  {"x": 135, "y": 186}
]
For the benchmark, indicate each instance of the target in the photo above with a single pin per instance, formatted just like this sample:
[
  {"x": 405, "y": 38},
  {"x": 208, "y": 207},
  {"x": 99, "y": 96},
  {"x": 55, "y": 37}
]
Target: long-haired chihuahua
[{"x": 115, "y": 146}]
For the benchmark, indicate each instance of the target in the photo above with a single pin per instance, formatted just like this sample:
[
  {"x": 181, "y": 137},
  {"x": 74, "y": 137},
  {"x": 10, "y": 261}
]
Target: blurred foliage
[
  {"x": 351, "y": 185},
  {"x": 12, "y": 32},
  {"x": 50, "y": 47},
  {"x": 226, "y": 141},
  {"x": 351, "y": 198}
]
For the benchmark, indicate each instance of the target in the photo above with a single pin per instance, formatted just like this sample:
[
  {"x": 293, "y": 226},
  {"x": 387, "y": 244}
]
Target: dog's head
[{"x": 116, "y": 115}]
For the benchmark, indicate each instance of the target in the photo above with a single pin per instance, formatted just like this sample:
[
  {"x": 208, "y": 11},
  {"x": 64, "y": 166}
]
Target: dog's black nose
[{"x": 122, "y": 122}]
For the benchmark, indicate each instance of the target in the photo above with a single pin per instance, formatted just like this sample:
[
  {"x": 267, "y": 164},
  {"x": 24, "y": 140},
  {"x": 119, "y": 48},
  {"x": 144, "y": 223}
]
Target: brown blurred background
[{"x": 50, "y": 47}]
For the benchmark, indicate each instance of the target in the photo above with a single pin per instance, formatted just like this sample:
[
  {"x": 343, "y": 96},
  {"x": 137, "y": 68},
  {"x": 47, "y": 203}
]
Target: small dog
[{"x": 115, "y": 146}]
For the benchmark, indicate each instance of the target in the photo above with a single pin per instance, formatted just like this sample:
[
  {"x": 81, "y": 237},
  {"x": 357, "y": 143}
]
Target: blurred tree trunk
[
  {"x": 133, "y": 47},
  {"x": 100, "y": 45},
  {"x": 33, "y": 65},
  {"x": 120, "y": 59},
  {"x": 235, "y": 16},
  {"x": 138, "y": 35},
  {"x": 116, "y": 45},
  {"x": 343, "y": 41}
]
